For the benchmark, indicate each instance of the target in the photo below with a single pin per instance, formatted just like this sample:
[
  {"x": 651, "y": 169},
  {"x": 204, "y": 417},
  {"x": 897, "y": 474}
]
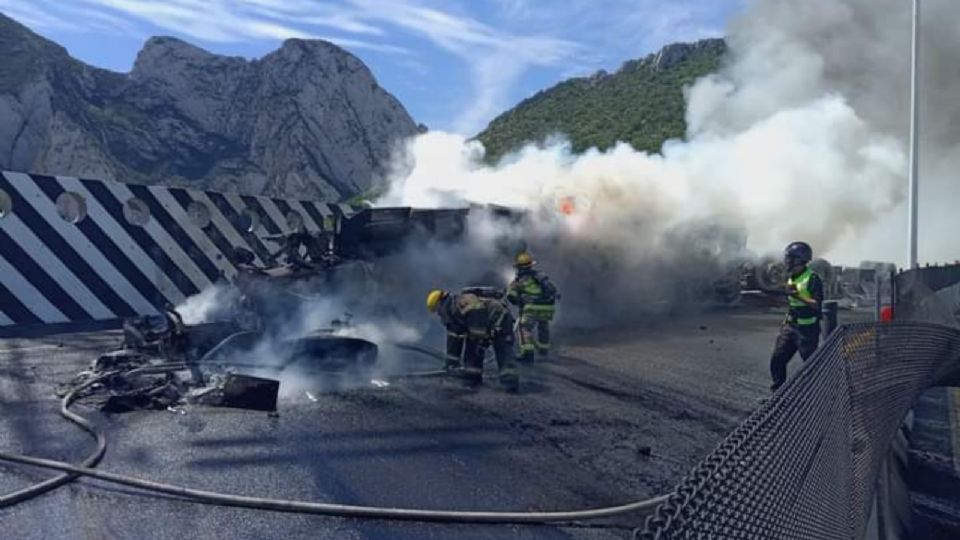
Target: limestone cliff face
[{"x": 308, "y": 120}]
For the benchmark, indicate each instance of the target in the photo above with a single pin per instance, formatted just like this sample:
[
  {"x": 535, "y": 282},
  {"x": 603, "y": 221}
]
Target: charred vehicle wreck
[{"x": 164, "y": 363}]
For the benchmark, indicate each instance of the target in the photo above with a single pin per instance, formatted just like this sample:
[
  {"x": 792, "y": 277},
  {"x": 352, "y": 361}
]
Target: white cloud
[
  {"x": 496, "y": 58},
  {"x": 513, "y": 37},
  {"x": 213, "y": 20},
  {"x": 592, "y": 38},
  {"x": 28, "y": 13},
  {"x": 622, "y": 29},
  {"x": 311, "y": 12},
  {"x": 349, "y": 43},
  {"x": 220, "y": 21}
]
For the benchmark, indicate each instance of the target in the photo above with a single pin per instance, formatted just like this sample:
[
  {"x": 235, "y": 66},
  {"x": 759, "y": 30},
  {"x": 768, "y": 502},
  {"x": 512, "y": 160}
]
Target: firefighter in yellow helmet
[
  {"x": 474, "y": 323},
  {"x": 535, "y": 296}
]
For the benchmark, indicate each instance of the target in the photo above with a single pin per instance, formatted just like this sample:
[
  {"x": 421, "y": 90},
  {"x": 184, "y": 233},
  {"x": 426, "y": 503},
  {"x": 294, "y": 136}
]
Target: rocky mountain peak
[
  {"x": 309, "y": 56},
  {"x": 307, "y": 120},
  {"x": 24, "y": 54},
  {"x": 167, "y": 57},
  {"x": 158, "y": 45},
  {"x": 309, "y": 46},
  {"x": 675, "y": 53},
  {"x": 12, "y": 33}
]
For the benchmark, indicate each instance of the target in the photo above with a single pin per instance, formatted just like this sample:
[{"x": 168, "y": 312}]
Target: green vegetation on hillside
[{"x": 641, "y": 104}]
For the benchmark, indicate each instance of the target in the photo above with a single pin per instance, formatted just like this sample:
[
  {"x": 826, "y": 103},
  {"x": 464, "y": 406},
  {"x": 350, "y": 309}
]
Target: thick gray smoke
[
  {"x": 343, "y": 304},
  {"x": 802, "y": 134},
  {"x": 786, "y": 55},
  {"x": 210, "y": 304}
]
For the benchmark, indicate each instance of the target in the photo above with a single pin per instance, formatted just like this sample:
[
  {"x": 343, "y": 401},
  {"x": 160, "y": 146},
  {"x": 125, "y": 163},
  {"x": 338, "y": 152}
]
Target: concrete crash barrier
[
  {"x": 74, "y": 250},
  {"x": 806, "y": 463},
  {"x": 78, "y": 250}
]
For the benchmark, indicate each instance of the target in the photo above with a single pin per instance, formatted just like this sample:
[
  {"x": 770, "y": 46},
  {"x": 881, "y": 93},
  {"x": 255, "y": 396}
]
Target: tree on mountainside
[{"x": 641, "y": 104}]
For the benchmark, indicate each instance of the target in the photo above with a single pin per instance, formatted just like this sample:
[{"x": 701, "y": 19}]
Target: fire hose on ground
[
  {"x": 86, "y": 468},
  {"x": 101, "y": 447}
]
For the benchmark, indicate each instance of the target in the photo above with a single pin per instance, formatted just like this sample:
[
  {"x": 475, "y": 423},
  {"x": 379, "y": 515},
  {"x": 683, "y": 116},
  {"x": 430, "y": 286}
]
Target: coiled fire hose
[
  {"x": 85, "y": 468},
  {"x": 101, "y": 441}
]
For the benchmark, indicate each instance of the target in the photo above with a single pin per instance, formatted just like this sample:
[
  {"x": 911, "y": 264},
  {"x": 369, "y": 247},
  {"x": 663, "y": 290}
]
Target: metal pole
[
  {"x": 878, "y": 295},
  {"x": 914, "y": 154}
]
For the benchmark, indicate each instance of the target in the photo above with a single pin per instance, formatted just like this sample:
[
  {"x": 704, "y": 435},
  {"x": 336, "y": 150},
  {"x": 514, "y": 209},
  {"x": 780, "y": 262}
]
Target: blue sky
[{"x": 454, "y": 64}]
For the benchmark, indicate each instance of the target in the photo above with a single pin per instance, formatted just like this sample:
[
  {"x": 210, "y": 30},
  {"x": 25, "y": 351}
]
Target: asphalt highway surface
[{"x": 617, "y": 415}]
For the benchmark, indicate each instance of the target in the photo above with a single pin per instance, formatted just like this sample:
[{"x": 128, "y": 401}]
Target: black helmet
[{"x": 797, "y": 253}]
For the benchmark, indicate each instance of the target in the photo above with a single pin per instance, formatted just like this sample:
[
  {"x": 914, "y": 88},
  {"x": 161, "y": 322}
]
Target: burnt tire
[
  {"x": 771, "y": 275},
  {"x": 334, "y": 353}
]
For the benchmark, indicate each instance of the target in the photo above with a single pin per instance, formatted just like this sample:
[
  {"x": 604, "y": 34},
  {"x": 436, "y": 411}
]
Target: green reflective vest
[
  {"x": 527, "y": 292},
  {"x": 800, "y": 312}
]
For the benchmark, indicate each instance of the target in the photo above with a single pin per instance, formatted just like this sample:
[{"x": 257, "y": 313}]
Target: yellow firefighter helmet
[
  {"x": 433, "y": 299},
  {"x": 523, "y": 260}
]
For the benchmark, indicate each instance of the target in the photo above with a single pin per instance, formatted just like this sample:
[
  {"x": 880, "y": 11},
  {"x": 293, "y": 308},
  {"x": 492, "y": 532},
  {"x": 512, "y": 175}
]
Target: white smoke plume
[
  {"x": 210, "y": 304},
  {"x": 801, "y": 135},
  {"x": 344, "y": 304}
]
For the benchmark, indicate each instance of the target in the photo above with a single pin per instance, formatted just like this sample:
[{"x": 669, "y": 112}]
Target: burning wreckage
[
  {"x": 715, "y": 265},
  {"x": 165, "y": 363}
]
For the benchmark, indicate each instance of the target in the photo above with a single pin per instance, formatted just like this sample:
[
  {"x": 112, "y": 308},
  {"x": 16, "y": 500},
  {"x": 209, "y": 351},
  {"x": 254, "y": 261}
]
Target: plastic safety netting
[{"x": 804, "y": 465}]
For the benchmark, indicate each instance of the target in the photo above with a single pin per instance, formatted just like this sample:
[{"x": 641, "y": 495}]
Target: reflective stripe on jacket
[
  {"x": 532, "y": 292},
  {"x": 800, "y": 312},
  {"x": 475, "y": 316}
]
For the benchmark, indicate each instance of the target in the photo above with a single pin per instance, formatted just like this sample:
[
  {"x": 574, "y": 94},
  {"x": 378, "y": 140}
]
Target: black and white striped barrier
[{"x": 76, "y": 250}]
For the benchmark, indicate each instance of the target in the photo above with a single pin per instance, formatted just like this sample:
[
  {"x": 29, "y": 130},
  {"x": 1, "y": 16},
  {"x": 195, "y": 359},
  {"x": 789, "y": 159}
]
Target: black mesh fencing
[{"x": 804, "y": 465}]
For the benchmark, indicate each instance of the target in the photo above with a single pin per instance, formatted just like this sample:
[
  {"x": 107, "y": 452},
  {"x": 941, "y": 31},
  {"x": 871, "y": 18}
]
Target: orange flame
[{"x": 567, "y": 206}]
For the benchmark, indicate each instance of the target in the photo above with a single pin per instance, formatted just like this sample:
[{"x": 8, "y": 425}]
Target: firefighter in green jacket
[
  {"x": 800, "y": 331},
  {"x": 474, "y": 323},
  {"x": 535, "y": 296}
]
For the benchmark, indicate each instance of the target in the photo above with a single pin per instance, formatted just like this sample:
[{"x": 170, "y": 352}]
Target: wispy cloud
[
  {"x": 496, "y": 41},
  {"x": 496, "y": 58},
  {"x": 366, "y": 45},
  {"x": 208, "y": 20},
  {"x": 216, "y": 21},
  {"x": 622, "y": 29},
  {"x": 314, "y": 13},
  {"x": 34, "y": 16}
]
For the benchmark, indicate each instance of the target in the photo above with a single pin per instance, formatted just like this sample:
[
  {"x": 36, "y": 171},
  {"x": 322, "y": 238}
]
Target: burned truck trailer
[
  {"x": 376, "y": 232},
  {"x": 126, "y": 250},
  {"x": 310, "y": 267}
]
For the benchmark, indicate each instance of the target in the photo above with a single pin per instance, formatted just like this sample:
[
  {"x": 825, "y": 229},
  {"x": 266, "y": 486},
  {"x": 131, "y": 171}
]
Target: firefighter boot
[
  {"x": 452, "y": 360},
  {"x": 503, "y": 347},
  {"x": 543, "y": 339},
  {"x": 528, "y": 347},
  {"x": 472, "y": 372}
]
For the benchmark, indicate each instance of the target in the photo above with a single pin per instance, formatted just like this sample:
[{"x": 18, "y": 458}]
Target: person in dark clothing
[
  {"x": 535, "y": 297},
  {"x": 801, "y": 329},
  {"x": 473, "y": 324}
]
